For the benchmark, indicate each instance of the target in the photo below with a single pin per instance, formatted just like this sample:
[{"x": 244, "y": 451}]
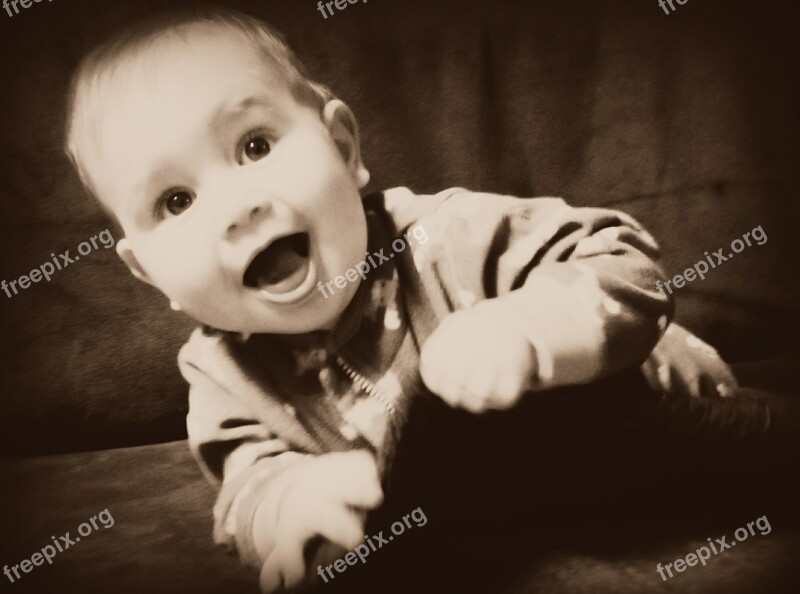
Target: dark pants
[{"x": 607, "y": 464}]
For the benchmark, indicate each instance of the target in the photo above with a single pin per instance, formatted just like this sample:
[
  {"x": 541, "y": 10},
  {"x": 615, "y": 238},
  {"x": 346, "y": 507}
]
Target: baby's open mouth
[{"x": 281, "y": 267}]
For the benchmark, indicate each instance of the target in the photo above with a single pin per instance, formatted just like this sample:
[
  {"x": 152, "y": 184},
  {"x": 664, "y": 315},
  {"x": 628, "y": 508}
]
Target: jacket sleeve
[
  {"x": 580, "y": 283},
  {"x": 237, "y": 453}
]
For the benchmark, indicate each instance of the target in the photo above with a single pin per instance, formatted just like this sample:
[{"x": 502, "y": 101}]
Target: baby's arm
[
  {"x": 236, "y": 453},
  {"x": 274, "y": 499},
  {"x": 578, "y": 284}
]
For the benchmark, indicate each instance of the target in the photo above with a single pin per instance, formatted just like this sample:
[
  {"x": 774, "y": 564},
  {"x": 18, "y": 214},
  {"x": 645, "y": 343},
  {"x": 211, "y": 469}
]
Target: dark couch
[{"x": 688, "y": 121}]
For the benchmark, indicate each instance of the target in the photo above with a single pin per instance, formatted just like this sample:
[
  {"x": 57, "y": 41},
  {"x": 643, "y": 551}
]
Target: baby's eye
[
  {"x": 177, "y": 202},
  {"x": 254, "y": 148}
]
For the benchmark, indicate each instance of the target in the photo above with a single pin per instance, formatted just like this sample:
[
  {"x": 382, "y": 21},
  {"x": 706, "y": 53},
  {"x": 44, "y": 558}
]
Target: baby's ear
[
  {"x": 343, "y": 128},
  {"x": 126, "y": 254}
]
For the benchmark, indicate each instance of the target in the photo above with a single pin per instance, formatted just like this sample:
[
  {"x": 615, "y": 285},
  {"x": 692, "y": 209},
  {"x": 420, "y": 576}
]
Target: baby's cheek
[
  {"x": 343, "y": 238},
  {"x": 193, "y": 282}
]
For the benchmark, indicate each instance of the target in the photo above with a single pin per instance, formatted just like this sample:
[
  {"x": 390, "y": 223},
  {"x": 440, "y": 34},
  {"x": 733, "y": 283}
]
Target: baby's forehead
[
  {"x": 198, "y": 68},
  {"x": 171, "y": 91}
]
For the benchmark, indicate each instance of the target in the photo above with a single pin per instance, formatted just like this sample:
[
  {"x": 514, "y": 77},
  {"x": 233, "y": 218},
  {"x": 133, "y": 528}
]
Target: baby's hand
[
  {"x": 682, "y": 364},
  {"x": 478, "y": 360},
  {"x": 324, "y": 496}
]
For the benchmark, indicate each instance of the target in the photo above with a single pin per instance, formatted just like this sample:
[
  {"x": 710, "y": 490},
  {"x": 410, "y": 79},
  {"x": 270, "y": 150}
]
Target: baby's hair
[{"x": 89, "y": 82}]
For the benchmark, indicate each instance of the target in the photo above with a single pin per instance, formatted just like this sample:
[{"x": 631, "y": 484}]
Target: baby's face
[{"x": 235, "y": 199}]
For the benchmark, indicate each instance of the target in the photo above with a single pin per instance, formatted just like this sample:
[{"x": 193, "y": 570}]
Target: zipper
[{"x": 369, "y": 387}]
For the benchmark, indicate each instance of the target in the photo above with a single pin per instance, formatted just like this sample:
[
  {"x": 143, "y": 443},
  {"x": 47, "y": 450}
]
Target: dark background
[{"x": 688, "y": 121}]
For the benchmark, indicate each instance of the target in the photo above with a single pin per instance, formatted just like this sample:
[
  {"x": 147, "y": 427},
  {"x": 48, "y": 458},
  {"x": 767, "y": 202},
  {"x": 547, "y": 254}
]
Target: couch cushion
[
  {"x": 671, "y": 118},
  {"x": 160, "y": 540}
]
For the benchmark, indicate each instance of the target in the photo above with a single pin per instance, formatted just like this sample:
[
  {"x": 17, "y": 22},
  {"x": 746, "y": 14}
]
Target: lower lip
[{"x": 298, "y": 294}]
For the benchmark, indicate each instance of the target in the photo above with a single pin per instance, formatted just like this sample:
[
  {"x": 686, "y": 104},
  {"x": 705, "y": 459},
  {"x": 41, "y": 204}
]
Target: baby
[{"x": 237, "y": 182}]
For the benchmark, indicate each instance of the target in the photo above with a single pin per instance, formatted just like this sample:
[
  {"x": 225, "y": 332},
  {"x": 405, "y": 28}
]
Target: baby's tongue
[{"x": 282, "y": 267}]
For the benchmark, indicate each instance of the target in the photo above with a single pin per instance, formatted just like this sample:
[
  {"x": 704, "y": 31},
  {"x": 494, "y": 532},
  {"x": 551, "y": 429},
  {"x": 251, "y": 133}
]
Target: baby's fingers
[
  {"x": 285, "y": 565},
  {"x": 340, "y": 525},
  {"x": 271, "y": 578}
]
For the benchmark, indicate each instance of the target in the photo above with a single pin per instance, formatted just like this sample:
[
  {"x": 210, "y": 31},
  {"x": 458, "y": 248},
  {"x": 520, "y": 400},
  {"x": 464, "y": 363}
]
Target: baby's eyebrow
[
  {"x": 230, "y": 111},
  {"x": 220, "y": 116}
]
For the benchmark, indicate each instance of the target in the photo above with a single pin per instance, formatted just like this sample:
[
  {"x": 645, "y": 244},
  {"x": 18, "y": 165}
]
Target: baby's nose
[{"x": 246, "y": 218}]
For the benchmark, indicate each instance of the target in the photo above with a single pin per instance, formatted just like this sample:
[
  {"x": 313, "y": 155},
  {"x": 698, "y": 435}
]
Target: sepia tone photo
[{"x": 399, "y": 296}]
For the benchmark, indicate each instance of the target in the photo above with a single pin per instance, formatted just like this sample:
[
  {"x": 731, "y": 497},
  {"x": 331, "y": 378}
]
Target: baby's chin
[{"x": 313, "y": 318}]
